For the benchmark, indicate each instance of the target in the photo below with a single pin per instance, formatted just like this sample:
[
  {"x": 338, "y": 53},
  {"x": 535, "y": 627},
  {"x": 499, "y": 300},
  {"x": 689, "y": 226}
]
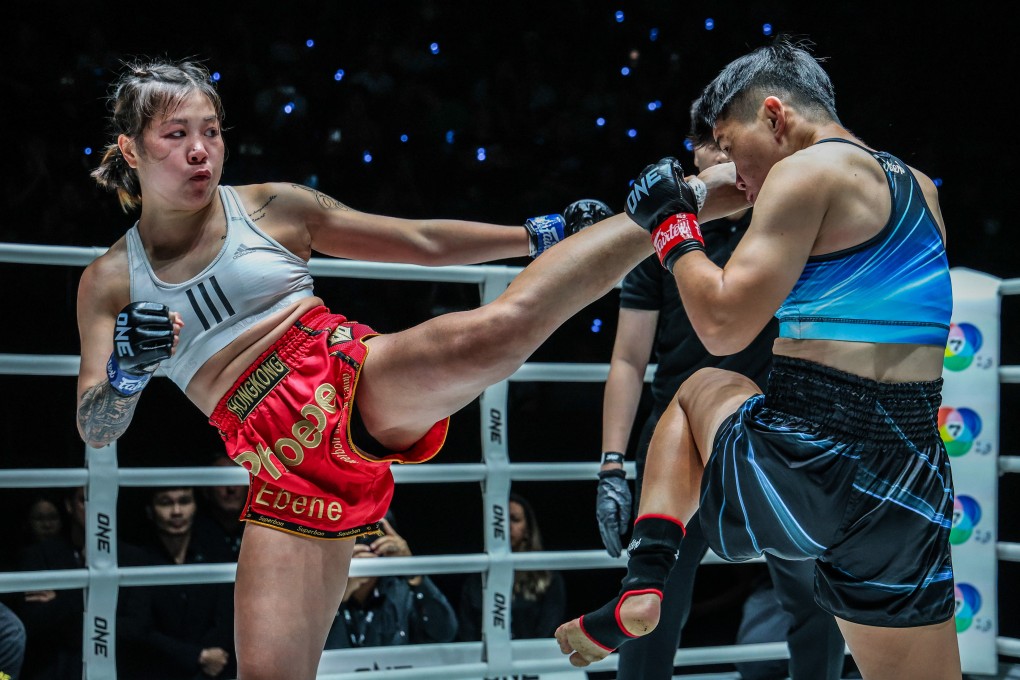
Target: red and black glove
[{"x": 664, "y": 204}]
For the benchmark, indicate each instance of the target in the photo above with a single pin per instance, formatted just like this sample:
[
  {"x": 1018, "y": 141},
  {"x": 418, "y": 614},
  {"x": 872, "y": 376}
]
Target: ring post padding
[
  {"x": 497, "y": 583},
  {"x": 99, "y": 627}
]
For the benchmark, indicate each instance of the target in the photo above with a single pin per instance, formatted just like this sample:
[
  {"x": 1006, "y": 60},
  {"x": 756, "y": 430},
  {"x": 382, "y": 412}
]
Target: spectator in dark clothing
[
  {"x": 53, "y": 618},
  {"x": 219, "y": 517},
  {"x": 539, "y": 597},
  {"x": 390, "y": 610},
  {"x": 181, "y": 631}
]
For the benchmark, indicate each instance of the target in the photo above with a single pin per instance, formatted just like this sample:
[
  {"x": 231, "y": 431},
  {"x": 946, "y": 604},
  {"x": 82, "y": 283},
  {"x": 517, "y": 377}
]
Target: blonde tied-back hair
[{"x": 146, "y": 90}]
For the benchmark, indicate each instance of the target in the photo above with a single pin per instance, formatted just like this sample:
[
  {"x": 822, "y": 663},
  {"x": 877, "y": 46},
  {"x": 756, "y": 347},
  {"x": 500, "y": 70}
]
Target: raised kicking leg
[{"x": 416, "y": 377}]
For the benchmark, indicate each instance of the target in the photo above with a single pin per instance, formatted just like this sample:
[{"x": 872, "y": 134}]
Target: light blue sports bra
[{"x": 893, "y": 288}]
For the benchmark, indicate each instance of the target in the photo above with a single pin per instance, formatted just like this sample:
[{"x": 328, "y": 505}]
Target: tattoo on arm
[
  {"x": 260, "y": 211},
  {"x": 104, "y": 415},
  {"x": 326, "y": 202}
]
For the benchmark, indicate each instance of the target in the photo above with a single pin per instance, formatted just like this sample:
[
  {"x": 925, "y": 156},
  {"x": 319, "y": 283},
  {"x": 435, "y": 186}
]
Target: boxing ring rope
[{"x": 497, "y": 655}]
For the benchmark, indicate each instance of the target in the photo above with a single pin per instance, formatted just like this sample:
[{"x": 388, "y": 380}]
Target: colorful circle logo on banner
[
  {"x": 966, "y": 515},
  {"x": 964, "y": 342},
  {"x": 958, "y": 427},
  {"x": 968, "y": 604}
]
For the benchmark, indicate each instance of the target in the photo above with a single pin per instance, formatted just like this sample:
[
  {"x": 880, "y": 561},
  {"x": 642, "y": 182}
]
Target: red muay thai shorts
[{"x": 287, "y": 420}]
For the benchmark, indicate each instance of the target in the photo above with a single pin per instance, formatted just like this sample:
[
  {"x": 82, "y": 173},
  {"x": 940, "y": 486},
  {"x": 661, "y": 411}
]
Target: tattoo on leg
[
  {"x": 104, "y": 415},
  {"x": 327, "y": 202}
]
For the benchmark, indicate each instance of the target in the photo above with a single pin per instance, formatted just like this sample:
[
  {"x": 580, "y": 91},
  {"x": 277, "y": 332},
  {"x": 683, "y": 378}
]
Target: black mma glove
[
  {"x": 665, "y": 205},
  {"x": 584, "y": 213},
  {"x": 613, "y": 502},
  {"x": 144, "y": 336},
  {"x": 545, "y": 231}
]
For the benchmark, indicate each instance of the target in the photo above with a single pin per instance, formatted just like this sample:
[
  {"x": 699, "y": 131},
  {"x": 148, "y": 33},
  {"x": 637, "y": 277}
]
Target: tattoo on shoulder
[
  {"x": 327, "y": 202},
  {"x": 103, "y": 414},
  {"x": 260, "y": 211}
]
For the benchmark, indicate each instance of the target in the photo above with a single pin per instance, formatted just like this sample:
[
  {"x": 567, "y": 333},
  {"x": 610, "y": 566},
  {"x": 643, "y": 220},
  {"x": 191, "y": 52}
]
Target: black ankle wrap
[{"x": 653, "y": 551}]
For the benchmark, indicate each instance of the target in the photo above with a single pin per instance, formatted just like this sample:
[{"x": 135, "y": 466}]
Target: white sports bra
[{"x": 251, "y": 277}]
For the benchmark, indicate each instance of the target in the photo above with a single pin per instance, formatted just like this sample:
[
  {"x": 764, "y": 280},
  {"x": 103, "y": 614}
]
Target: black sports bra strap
[{"x": 874, "y": 153}]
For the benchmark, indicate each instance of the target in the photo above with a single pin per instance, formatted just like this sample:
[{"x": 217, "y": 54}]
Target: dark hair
[
  {"x": 785, "y": 69},
  {"x": 156, "y": 490},
  {"x": 530, "y": 584},
  {"x": 51, "y": 496},
  {"x": 146, "y": 90}
]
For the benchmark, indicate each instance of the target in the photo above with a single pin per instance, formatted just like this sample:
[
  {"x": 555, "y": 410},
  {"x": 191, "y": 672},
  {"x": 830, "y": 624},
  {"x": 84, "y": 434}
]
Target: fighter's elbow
[
  {"x": 95, "y": 440},
  {"x": 722, "y": 339},
  {"x": 96, "y": 437}
]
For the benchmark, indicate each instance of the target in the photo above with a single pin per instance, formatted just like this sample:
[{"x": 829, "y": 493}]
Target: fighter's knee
[
  {"x": 694, "y": 383},
  {"x": 696, "y": 387}
]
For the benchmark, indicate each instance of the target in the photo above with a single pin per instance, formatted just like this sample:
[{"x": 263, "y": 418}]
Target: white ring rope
[{"x": 503, "y": 656}]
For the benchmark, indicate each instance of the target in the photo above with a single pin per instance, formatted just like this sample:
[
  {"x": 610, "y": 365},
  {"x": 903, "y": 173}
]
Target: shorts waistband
[
  {"x": 853, "y": 406},
  {"x": 258, "y": 380}
]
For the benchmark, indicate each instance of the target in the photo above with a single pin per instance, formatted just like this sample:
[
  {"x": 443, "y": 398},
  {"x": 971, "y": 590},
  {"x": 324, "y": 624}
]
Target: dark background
[{"x": 526, "y": 81}]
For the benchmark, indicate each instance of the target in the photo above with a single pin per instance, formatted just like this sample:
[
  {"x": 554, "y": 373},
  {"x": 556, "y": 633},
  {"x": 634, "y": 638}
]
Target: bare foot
[
  {"x": 582, "y": 650},
  {"x": 639, "y": 615}
]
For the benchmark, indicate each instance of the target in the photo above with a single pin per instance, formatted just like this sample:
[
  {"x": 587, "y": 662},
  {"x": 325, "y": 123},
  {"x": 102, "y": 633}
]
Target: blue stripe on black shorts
[{"x": 848, "y": 472}]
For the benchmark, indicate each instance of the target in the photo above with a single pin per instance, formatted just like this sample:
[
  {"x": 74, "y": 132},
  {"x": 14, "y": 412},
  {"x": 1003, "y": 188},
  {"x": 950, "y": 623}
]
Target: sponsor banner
[{"x": 969, "y": 426}]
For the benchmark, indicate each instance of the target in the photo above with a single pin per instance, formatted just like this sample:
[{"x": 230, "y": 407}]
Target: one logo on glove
[
  {"x": 641, "y": 186},
  {"x": 678, "y": 228},
  {"x": 121, "y": 342}
]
